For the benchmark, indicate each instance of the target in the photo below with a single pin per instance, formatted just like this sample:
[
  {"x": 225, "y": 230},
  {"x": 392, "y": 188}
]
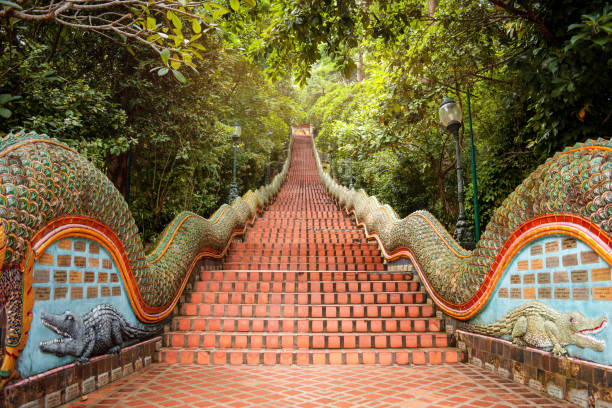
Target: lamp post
[
  {"x": 331, "y": 161},
  {"x": 233, "y": 193},
  {"x": 450, "y": 116},
  {"x": 350, "y": 173}
]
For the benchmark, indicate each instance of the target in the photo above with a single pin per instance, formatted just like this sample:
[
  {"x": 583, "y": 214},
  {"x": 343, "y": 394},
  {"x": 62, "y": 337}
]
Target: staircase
[{"x": 305, "y": 287}]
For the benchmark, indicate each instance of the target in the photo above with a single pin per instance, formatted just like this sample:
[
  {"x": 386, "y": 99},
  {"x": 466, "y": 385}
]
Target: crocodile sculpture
[
  {"x": 571, "y": 188},
  {"x": 538, "y": 325},
  {"x": 47, "y": 188},
  {"x": 102, "y": 330}
]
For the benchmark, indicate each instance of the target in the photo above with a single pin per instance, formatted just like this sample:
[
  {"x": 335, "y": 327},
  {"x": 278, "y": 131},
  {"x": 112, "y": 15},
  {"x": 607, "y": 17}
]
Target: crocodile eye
[{"x": 69, "y": 317}]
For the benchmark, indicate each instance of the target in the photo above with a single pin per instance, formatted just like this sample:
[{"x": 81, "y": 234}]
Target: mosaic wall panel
[
  {"x": 74, "y": 274},
  {"x": 563, "y": 273}
]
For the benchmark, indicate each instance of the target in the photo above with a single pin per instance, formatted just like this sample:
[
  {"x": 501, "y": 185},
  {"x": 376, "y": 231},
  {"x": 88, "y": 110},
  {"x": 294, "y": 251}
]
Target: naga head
[
  {"x": 582, "y": 328},
  {"x": 70, "y": 327}
]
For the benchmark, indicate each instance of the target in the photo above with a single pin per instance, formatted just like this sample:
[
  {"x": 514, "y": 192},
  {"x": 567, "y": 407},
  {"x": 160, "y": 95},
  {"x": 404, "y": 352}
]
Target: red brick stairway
[{"x": 305, "y": 287}]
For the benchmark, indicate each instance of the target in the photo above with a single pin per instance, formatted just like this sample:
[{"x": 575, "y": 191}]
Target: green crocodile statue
[{"x": 537, "y": 325}]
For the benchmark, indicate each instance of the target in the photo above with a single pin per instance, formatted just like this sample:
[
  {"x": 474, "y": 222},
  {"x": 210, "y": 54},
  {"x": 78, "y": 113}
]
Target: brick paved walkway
[{"x": 457, "y": 385}]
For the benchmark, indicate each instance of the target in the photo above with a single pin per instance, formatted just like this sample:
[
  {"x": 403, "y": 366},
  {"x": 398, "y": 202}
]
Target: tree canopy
[{"x": 369, "y": 75}]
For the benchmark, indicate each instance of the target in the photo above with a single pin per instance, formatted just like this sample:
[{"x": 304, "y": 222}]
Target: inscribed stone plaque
[
  {"x": 602, "y": 293},
  {"x": 554, "y": 390},
  {"x": 90, "y": 277},
  {"x": 103, "y": 379},
  {"x": 529, "y": 278},
  {"x": 116, "y": 374},
  {"x": 60, "y": 276},
  {"x": 581, "y": 293},
  {"x": 80, "y": 261},
  {"x": 76, "y": 292},
  {"x": 114, "y": 277},
  {"x": 75, "y": 277},
  {"x": 79, "y": 246},
  {"x": 94, "y": 248},
  {"x": 46, "y": 259},
  {"x": 92, "y": 292},
  {"x": 522, "y": 265},
  {"x": 94, "y": 262},
  {"x": 88, "y": 385},
  {"x": 536, "y": 250},
  {"x": 107, "y": 264},
  {"x": 41, "y": 276},
  {"x": 53, "y": 400},
  {"x": 60, "y": 292},
  {"x": 544, "y": 277},
  {"x": 42, "y": 293},
  {"x": 515, "y": 279},
  {"x": 552, "y": 261},
  {"x": 529, "y": 293},
  {"x": 544, "y": 292},
  {"x": 562, "y": 293},
  {"x": 503, "y": 293},
  {"x": 116, "y": 290},
  {"x": 568, "y": 243},
  {"x": 105, "y": 291},
  {"x": 537, "y": 264},
  {"x": 72, "y": 392},
  {"x": 560, "y": 277},
  {"x": 64, "y": 260},
  {"x": 515, "y": 293},
  {"x": 65, "y": 244},
  {"x": 588, "y": 257},
  {"x": 600, "y": 274},
  {"x": 570, "y": 260},
  {"x": 552, "y": 246},
  {"x": 102, "y": 276},
  {"x": 580, "y": 276}
]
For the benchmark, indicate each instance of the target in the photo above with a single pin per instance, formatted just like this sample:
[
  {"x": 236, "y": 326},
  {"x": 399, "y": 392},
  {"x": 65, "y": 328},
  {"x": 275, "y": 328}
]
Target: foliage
[{"x": 113, "y": 106}]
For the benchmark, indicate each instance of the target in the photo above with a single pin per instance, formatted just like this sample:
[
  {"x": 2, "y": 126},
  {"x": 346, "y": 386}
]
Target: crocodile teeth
[
  {"x": 55, "y": 329},
  {"x": 595, "y": 329}
]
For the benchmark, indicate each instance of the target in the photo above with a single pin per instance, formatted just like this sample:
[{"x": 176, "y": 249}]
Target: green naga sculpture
[
  {"x": 537, "y": 325},
  {"x": 49, "y": 191},
  {"x": 569, "y": 194}
]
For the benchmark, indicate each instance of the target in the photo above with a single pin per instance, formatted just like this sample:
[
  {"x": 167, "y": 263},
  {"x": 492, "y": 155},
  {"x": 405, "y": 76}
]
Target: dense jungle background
[{"x": 149, "y": 91}]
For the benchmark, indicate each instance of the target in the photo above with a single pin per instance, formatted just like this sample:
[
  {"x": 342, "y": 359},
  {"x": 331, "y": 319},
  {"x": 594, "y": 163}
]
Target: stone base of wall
[
  {"x": 70, "y": 382},
  {"x": 580, "y": 382}
]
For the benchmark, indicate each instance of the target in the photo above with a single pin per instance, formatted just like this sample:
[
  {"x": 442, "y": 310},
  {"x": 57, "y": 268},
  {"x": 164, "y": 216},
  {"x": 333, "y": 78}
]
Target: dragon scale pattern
[
  {"x": 576, "y": 181},
  {"x": 43, "y": 180}
]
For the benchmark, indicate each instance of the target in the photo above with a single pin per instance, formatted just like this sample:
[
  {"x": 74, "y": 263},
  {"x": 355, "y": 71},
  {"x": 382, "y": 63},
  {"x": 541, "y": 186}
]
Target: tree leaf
[
  {"x": 195, "y": 24},
  {"x": 5, "y": 113},
  {"x": 179, "y": 77},
  {"x": 175, "y": 64},
  {"x": 13, "y": 5},
  {"x": 151, "y": 23},
  {"x": 250, "y": 3},
  {"x": 165, "y": 55},
  {"x": 162, "y": 71},
  {"x": 235, "y": 4}
]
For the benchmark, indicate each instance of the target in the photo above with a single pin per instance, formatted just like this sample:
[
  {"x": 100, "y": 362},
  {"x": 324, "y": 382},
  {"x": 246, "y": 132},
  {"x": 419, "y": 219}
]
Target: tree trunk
[
  {"x": 432, "y": 6},
  {"x": 117, "y": 171},
  {"x": 360, "y": 66}
]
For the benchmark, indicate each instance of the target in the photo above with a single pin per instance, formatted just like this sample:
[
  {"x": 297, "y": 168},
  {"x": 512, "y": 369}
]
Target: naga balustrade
[
  {"x": 73, "y": 260},
  {"x": 539, "y": 270}
]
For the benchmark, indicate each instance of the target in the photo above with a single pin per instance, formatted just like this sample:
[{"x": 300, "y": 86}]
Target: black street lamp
[
  {"x": 233, "y": 193},
  {"x": 450, "y": 116},
  {"x": 350, "y": 173}
]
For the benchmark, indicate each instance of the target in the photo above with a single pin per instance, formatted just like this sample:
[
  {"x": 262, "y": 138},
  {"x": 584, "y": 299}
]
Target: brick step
[
  {"x": 305, "y": 276},
  {"x": 443, "y": 355},
  {"x": 316, "y": 298},
  {"x": 239, "y": 246},
  {"x": 321, "y": 325},
  {"x": 304, "y": 266},
  {"x": 254, "y": 257},
  {"x": 307, "y": 287},
  {"x": 304, "y": 341},
  {"x": 333, "y": 311}
]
